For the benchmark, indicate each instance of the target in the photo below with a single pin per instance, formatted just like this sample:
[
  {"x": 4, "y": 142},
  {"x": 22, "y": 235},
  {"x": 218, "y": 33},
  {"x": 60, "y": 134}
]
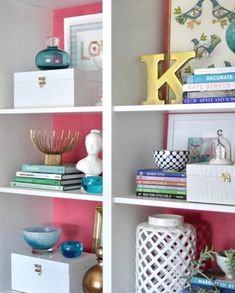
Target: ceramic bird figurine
[
  {"x": 204, "y": 50},
  {"x": 192, "y": 14},
  {"x": 220, "y": 12}
]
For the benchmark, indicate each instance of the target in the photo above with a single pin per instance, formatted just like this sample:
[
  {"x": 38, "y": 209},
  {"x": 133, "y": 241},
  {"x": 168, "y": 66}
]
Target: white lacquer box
[
  {"x": 56, "y": 88},
  {"x": 211, "y": 183},
  {"x": 49, "y": 273}
]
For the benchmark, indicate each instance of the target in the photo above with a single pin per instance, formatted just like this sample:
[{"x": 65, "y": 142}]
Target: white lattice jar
[{"x": 165, "y": 248}]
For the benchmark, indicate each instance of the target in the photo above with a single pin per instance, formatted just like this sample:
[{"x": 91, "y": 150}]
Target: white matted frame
[
  {"x": 183, "y": 126},
  {"x": 83, "y": 41}
]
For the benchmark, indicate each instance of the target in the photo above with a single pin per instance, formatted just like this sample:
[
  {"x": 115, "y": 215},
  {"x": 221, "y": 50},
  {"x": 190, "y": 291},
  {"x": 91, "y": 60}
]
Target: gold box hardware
[
  {"x": 38, "y": 269},
  {"x": 226, "y": 177},
  {"x": 42, "y": 81}
]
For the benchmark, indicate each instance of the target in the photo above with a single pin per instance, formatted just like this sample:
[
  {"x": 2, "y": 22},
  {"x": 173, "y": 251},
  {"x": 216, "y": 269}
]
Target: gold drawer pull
[
  {"x": 42, "y": 81},
  {"x": 226, "y": 177},
  {"x": 38, "y": 269}
]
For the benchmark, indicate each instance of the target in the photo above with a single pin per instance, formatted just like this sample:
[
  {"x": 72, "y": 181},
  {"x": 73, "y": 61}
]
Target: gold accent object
[
  {"x": 156, "y": 82},
  {"x": 93, "y": 278},
  {"x": 226, "y": 177},
  {"x": 38, "y": 269},
  {"x": 42, "y": 81},
  {"x": 54, "y": 143},
  {"x": 97, "y": 234}
]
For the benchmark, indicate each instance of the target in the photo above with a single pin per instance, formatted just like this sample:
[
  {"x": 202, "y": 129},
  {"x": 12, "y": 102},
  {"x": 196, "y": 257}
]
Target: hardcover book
[
  {"x": 209, "y": 86},
  {"x": 47, "y": 181},
  {"x": 160, "y": 173},
  {"x": 217, "y": 77},
  {"x": 161, "y": 183},
  {"x": 209, "y": 100},
  {"x": 45, "y": 186},
  {"x": 162, "y": 191},
  {"x": 50, "y": 176},
  {"x": 161, "y": 178},
  {"x": 216, "y": 278},
  {"x": 62, "y": 169},
  {"x": 214, "y": 70},
  {"x": 161, "y": 195}
]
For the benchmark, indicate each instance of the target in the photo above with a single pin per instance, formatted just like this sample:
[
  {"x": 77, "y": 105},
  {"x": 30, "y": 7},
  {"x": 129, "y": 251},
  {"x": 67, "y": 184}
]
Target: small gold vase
[{"x": 93, "y": 278}]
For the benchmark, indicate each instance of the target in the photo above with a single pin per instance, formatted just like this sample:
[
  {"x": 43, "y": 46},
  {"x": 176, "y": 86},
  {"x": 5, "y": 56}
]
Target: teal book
[
  {"x": 47, "y": 181},
  {"x": 62, "y": 169},
  {"x": 217, "y": 77}
]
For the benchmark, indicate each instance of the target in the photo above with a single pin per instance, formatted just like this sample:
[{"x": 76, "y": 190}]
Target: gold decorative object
[
  {"x": 54, "y": 143},
  {"x": 169, "y": 77},
  {"x": 93, "y": 278}
]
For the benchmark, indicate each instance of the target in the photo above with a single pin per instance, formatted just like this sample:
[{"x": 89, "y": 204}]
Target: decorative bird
[
  {"x": 221, "y": 12},
  {"x": 192, "y": 14},
  {"x": 205, "y": 49}
]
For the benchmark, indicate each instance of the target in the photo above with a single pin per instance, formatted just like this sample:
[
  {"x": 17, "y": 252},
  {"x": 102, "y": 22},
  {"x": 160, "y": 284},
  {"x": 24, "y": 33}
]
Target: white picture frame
[
  {"x": 84, "y": 42},
  {"x": 183, "y": 126}
]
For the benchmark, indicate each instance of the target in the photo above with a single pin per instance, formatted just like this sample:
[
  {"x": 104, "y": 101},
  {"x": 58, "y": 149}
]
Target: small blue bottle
[{"x": 52, "y": 57}]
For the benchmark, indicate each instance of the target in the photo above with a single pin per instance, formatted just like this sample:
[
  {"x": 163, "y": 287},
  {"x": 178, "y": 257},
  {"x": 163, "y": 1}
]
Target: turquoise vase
[
  {"x": 52, "y": 57},
  {"x": 230, "y": 36}
]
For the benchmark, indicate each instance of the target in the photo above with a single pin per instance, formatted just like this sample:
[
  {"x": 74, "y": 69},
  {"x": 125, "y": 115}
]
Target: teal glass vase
[{"x": 52, "y": 57}]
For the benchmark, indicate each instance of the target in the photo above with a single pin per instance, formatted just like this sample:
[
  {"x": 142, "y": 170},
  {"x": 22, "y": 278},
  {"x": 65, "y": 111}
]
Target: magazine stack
[
  {"x": 161, "y": 184},
  {"x": 210, "y": 85}
]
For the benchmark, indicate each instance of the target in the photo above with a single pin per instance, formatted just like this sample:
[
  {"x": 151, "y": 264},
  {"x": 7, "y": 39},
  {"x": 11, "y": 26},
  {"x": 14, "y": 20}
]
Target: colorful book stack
[
  {"x": 210, "y": 85},
  {"x": 161, "y": 184},
  {"x": 58, "y": 178},
  {"x": 216, "y": 279}
]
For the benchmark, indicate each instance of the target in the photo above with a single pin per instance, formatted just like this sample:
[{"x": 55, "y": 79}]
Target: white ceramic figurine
[{"x": 91, "y": 165}]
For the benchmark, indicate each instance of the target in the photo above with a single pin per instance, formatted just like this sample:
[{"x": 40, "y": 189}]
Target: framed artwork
[
  {"x": 200, "y": 149},
  {"x": 201, "y": 25},
  {"x": 83, "y": 41},
  {"x": 97, "y": 234},
  {"x": 197, "y": 131}
]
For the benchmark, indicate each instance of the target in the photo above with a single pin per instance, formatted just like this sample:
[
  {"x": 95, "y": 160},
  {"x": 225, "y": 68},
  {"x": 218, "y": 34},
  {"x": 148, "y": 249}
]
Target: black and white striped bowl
[{"x": 171, "y": 160}]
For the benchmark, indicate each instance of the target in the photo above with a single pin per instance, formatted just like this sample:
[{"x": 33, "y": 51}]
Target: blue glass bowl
[
  {"x": 71, "y": 249},
  {"x": 41, "y": 238},
  {"x": 92, "y": 184}
]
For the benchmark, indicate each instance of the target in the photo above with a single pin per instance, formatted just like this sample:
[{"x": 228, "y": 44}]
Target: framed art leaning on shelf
[{"x": 83, "y": 41}]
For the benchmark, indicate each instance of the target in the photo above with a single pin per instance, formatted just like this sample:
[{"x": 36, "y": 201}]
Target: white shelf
[
  {"x": 73, "y": 194},
  {"x": 178, "y": 108},
  {"x": 85, "y": 109},
  {"x": 178, "y": 204}
]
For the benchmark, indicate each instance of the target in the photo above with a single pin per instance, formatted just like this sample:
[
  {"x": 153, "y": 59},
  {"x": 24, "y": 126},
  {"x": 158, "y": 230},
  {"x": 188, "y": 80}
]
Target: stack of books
[
  {"x": 58, "y": 178},
  {"x": 216, "y": 279},
  {"x": 210, "y": 85},
  {"x": 161, "y": 184}
]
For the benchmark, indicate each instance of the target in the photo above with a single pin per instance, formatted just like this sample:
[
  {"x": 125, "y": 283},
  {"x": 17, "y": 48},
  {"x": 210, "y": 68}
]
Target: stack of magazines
[
  {"x": 161, "y": 184},
  {"x": 58, "y": 178},
  {"x": 210, "y": 85}
]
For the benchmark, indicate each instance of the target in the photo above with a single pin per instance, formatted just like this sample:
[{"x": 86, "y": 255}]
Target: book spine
[
  {"x": 38, "y": 175},
  {"x": 219, "y": 283},
  {"x": 160, "y": 195},
  {"x": 209, "y": 86},
  {"x": 158, "y": 173},
  {"x": 214, "y": 70},
  {"x": 150, "y": 186},
  {"x": 163, "y": 191},
  {"x": 37, "y": 186},
  {"x": 38, "y": 181},
  {"x": 163, "y": 183},
  {"x": 209, "y": 100},
  {"x": 196, "y": 288},
  {"x": 47, "y": 169},
  {"x": 208, "y": 94},
  {"x": 204, "y": 78},
  {"x": 161, "y": 178}
]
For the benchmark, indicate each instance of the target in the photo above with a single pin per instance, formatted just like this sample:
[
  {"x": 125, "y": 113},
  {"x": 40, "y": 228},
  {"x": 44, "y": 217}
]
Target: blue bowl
[
  {"x": 92, "y": 184},
  {"x": 71, "y": 249},
  {"x": 41, "y": 238}
]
